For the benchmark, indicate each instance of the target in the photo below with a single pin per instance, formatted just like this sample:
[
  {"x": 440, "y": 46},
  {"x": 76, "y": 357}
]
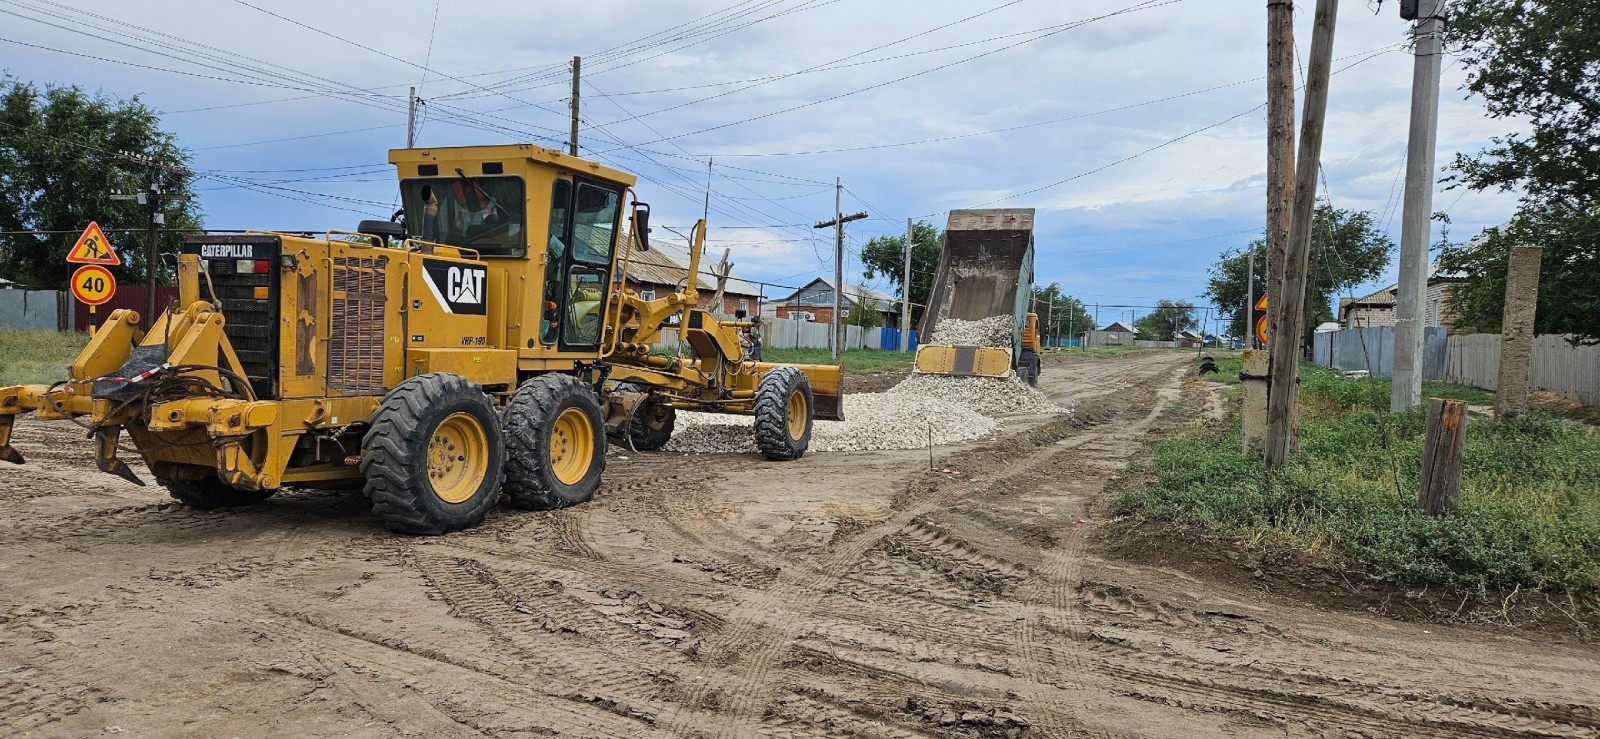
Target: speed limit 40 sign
[{"x": 93, "y": 284}]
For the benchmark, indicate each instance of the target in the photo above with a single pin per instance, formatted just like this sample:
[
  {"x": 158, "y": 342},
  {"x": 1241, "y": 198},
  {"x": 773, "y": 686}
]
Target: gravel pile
[
  {"x": 873, "y": 421},
  {"x": 987, "y": 395},
  {"x": 995, "y": 331}
]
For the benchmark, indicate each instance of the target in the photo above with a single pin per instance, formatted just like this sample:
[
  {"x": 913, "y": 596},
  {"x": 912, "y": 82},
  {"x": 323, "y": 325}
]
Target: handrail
[
  {"x": 619, "y": 279},
  {"x": 407, "y": 245},
  {"x": 377, "y": 241}
]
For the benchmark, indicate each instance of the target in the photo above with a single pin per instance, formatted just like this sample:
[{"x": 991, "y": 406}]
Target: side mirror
[{"x": 641, "y": 225}]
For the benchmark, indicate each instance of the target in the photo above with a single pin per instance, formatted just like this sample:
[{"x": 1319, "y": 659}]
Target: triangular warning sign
[
  {"x": 1262, "y": 303},
  {"x": 93, "y": 248}
]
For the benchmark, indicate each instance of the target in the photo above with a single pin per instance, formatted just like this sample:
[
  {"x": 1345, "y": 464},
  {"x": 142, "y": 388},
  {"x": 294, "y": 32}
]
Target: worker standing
[{"x": 755, "y": 339}]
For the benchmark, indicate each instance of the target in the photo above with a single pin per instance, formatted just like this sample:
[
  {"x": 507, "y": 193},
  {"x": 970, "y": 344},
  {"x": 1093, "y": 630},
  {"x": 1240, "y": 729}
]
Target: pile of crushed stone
[
  {"x": 873, "y": 421},
  {"x": 995, "y": 331},
  {"x": 987, "y": 395}
]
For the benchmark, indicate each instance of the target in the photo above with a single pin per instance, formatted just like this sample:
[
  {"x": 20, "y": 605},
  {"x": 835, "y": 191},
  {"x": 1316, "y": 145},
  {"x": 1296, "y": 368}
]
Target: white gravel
[
  {"x": 873, "y": 421},
  {"x": 995, "y": 331},
  {"x": 987, "y": 395}
]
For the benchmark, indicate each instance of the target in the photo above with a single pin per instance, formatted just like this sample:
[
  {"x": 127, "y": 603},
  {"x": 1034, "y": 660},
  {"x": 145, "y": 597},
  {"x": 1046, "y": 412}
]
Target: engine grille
[
  {"x": 250, "y": 323},
  {"x": 355, "y": 351}
]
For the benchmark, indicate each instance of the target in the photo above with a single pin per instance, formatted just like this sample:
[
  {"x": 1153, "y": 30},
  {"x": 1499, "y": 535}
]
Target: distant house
[
  {"x": 1189, "y": 339},
  {"x": 656, "y": 273},
  {"x": 1370, "y": 310},
  {"x": 814, "y": 302},
  {"x": 1116, "y": 333}
]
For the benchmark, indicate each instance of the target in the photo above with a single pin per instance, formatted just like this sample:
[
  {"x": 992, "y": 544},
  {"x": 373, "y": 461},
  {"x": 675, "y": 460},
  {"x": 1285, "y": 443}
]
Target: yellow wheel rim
[
  {"x": 571, "y": 446},
  {"x": 796, "y": 414},
  {"x": 458, "y": 458}
]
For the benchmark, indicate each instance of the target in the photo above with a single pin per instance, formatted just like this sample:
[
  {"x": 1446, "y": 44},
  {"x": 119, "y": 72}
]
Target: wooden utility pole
[
  {"x": 1516, "y": 332},
  {"x": 905, "y": 294},
  {"x": 411, "y": 119},
  {"x": 1446, "y": 436},
  {"x": 1284, "y": 390},
  {"x": 839, "y": 219},
  {"x": 1280, "y": 153},
  {"x": 151, "y": 201},
  {"x": 1416, "y": 219},
  {"x": 572, "y": 143}
]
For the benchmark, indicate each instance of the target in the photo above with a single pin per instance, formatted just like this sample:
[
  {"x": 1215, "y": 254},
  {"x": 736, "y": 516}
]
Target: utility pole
[
  {"x": 1516, "y": 331},
  {"x": 1250, "y": 301},
  {"x": 1280, "y": 152},
  {"x": 839, "y": 219},
  {"x": 1416, "y": 220},
  {"x": 721, "y": 271},
  {"x": 1284, "y": 390},
  {"x": 577, "y": 66},
  {"x": 150, "y": 200},
  {"x": 905, "y": 295},
  {"x": 1050, "y": 318},
  {"x": 411, "y": 119}
]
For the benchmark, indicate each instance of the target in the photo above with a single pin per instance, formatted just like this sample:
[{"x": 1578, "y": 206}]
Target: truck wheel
[
  {"x": 209, "y": 491},
  {"x": 1032, "y": 362},
  {"x": 434, "y": 456},
  {"x": 556, "y": 441},
  {"x": 783, "y": 414},
  {"x": 652, "y": 425}
]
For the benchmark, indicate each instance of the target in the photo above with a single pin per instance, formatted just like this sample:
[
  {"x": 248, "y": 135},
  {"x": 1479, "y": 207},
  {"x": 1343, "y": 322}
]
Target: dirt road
[{"x": 720, "y": 596}]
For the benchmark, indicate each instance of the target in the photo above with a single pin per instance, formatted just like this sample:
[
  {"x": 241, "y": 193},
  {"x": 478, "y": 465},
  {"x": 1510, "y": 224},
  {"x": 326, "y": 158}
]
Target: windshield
[{"x": 482, "y": 213}]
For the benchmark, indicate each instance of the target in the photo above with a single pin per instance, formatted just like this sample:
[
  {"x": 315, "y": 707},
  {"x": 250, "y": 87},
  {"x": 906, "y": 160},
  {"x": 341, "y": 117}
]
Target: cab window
[
  {"x": 594, "y": 224},
  {"x": 482, "y": 213}
]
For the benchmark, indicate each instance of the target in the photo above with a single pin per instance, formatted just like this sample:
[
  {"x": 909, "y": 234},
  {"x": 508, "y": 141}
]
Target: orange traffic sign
[
  {"x": 93, "y": 248},
  {"x": 93, "y": 284},
  {"x": 1261, "y": 330},
  {"x": 1262, "y": 303}
]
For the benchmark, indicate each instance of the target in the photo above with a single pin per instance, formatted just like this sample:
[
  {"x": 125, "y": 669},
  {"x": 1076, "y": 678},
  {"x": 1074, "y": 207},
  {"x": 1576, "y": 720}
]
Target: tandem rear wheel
[
  {"x": 555, "y": 437},
  {"x": 199, "y": 487}
]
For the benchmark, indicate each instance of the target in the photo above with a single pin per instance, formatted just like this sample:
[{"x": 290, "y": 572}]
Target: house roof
[
  {"x": 858, "y": 293},
  {"x": 667, "y": 264},
  {"x": 1380, "y": 297},
  {"x": 1118, "y": 327}
]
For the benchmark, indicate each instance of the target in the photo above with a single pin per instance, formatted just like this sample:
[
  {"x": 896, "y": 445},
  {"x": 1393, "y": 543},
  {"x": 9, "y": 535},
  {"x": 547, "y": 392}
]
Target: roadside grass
[
  {"x": 28, "y": 357},
  {"x": 856, "y": 361},
  {"x": 1529, "y": 513}
]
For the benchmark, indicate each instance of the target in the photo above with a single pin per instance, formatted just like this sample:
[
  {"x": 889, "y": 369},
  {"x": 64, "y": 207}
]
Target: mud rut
[{"x": 718, "y": 596}]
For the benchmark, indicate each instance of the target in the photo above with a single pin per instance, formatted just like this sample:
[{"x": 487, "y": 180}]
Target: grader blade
[{"x": 7, "y": 453}]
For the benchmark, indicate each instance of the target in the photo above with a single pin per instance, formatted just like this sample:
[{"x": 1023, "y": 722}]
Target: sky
[{"x": 1135, "y": 128}]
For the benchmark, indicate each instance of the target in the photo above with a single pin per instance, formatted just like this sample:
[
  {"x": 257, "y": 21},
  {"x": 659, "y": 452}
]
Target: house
[
  {"x": 659, "y": 271},
  {"x": 1189, "y": 339},
  {"x": 1116, "y": 333},
  {"x": 814, "y": 302},
  {"x": 1378, "y": 308}
]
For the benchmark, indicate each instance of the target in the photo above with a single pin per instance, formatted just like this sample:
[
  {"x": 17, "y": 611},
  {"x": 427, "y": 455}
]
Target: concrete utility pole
[
  {"x": 905, "y": 295},
  {"x": 411, "y": 119},
  {"x": 1285, "y": 347},
  {"x": 1416, "y": 220},
  {"x": 1280, "y": 152},
  {"x": 839, "y": 219},
  {"x": 1516, "y": 332},
  {"x": 577, "y": 67},
  {"x": 151, "y": 201},
  {"x": 1250, "y": 301}
]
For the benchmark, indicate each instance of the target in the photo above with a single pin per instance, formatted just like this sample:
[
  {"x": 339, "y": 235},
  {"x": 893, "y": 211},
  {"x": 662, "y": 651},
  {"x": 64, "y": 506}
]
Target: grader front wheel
[
  {"x": 556, "y": 441},
  {"x": 434, "y": 456},
  {"x": 783, "y": 414}
]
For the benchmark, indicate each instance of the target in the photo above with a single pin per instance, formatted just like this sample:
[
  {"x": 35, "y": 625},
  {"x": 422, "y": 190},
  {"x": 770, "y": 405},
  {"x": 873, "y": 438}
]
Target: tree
[
  {"x": 886, "y": 255},
  {"x": 58, "y": 169},
  {"x": 1164, "y": 323},
  {"x": 863, "y": 314},
  {"x": 1067, "y": 320},
  {"x": 1347, "y": 249},
  {"x": 1534, "y": 61}
]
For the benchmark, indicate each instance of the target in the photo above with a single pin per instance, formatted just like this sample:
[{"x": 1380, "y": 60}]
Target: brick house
[
  {"x": 656, "y": 272},
  {"x": 1378, "y": 308},
  {"x": 814, "y": 302}
]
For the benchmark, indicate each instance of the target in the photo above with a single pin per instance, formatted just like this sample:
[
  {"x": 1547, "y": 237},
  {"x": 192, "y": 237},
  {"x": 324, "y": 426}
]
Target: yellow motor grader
[{"x": 482, "y": 342}]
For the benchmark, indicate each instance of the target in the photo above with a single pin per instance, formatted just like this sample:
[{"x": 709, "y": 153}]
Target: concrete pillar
[
  {"x": 1254, "y": 380},
  {"x": 1516, "y": 332}
]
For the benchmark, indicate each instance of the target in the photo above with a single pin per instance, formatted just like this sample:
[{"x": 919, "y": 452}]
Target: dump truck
[
  {"x": 482, "y": 343},
  {"x": 985, "y": 270}
]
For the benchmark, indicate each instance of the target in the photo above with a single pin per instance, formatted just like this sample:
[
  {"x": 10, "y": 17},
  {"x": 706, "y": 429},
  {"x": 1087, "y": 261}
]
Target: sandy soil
[{"x": 841, "y": 595}]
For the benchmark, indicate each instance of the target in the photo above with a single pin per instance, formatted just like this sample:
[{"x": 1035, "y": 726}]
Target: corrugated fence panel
[
  {"x": 35, "y": 310},
  {"x": 1572, "y": 372}
]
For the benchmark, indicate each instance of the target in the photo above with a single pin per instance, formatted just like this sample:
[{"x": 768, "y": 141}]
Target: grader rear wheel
[
  {"x": 201, "y": 488},
  {"x": 556, "y": 439},
  {"x": 434, "y": 456},
  {"x": 783, "y": 414},
  {"x": 652, "y": 425}
]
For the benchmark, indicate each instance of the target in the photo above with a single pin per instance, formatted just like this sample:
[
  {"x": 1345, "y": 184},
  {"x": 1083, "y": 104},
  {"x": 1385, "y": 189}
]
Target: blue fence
[{"x": 889, "y": 339}]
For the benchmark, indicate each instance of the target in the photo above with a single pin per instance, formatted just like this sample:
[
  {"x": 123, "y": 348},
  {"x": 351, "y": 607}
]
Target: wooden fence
[{"x": 1573, "y": 372}]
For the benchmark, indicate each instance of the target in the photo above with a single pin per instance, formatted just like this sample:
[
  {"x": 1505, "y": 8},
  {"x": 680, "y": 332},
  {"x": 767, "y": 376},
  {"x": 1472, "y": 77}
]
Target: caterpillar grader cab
[
  {"x": 985, "y": 270},
  {"x": 485, "y": 344}
]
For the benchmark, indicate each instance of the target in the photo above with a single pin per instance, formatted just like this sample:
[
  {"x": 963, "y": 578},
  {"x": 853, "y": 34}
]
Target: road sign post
[{"x": 92, "y": 284}]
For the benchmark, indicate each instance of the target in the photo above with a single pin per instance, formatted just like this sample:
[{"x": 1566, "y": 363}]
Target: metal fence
[
  {"x": 1557, "y": 365},
  {"x": 35, "y": 310},
  {"x": 790, "y": 333}
]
